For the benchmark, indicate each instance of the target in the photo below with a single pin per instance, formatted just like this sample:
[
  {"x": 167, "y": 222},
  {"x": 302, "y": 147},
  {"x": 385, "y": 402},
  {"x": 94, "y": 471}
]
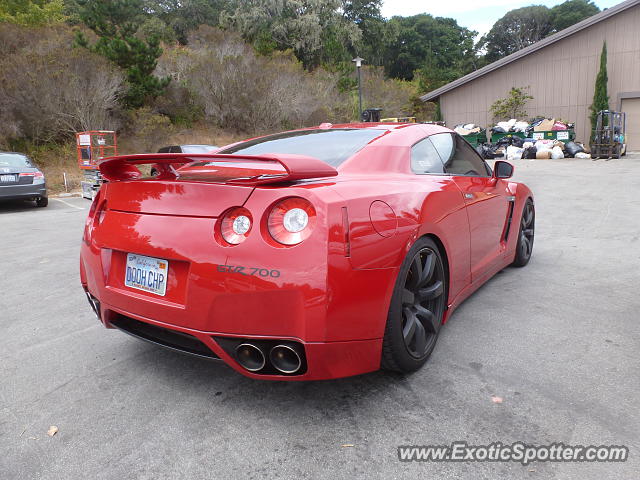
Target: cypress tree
[
  {"x": 600, "y": 95},
  {"x": 116, "y": 24}
]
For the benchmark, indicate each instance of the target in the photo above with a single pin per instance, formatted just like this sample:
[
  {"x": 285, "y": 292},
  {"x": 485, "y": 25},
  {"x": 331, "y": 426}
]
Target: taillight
[
  {"x": 38, "y": 177},
  {"x": 235, "y": 225},
  {"x": 291, "y": 220}
]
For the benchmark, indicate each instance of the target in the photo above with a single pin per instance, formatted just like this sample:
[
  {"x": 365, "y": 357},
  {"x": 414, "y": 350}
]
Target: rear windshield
[
  {"x": 14, "y": 160},
  {"x": 332, "y": 146}
]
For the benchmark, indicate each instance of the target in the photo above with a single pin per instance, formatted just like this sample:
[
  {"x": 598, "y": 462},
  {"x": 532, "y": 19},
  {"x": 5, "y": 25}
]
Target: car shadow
[
  {"x": 14, "y": 206},
  {"x": 214, "y": 380}
]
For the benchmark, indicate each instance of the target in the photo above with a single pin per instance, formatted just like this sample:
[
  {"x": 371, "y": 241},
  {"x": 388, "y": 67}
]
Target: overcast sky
[{"x": 473, "y": 14}]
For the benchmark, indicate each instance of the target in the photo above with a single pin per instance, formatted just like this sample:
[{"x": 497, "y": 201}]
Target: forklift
[
  {"x": 608, "y": 138},
  {"x": 92, "y": 146}
]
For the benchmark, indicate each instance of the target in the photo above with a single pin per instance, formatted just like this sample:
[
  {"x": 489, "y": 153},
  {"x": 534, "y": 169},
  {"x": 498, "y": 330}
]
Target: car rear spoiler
[{"x": 295, "y": 167}]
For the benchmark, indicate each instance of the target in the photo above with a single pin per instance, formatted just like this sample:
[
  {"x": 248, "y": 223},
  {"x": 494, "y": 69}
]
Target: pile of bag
[
  {"x": 468, "y": 129},
  {"x": 547, "y": 125},
  {"x": 515, "y": 148},
  {"x": 512, "y": 125},
  {"x": 537, "y": 125}
]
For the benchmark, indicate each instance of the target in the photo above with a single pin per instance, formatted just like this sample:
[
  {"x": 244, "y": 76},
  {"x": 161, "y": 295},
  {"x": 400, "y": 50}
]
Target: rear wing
[{"x": 235, "y": 169}]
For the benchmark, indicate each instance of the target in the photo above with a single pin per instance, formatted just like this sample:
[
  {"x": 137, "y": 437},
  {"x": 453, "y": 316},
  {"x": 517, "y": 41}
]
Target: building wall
[{"x": 561, "y": 76}]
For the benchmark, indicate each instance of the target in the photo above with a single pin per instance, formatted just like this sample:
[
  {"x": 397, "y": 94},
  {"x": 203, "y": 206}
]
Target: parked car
[
  {"x": 187, "y": 149},
  {"x": 183, "y": 149},
  {"x": 312, "y": 254},
  {"x": 20, "y": 179}
]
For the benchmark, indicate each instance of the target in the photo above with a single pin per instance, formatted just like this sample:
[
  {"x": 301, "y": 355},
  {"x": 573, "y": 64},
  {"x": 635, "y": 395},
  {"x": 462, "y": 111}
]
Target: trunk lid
[{"x": 161, "y": 197}]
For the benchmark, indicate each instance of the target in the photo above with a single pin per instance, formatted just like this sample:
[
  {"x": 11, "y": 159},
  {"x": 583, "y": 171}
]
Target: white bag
[
  {"x": 514, "y": 153},
  {"x": 556, "y": 153},
  {"x": 521, "y": 126}
]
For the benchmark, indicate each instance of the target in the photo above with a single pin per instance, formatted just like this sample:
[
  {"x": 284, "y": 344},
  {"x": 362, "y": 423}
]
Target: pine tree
[
  {"x": 600, "y": 95},
  {"x": 116, "y": 24}
]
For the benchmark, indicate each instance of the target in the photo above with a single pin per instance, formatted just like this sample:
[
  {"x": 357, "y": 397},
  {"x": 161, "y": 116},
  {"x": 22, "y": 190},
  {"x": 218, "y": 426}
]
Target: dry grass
[{"x": 55, "y": 161}]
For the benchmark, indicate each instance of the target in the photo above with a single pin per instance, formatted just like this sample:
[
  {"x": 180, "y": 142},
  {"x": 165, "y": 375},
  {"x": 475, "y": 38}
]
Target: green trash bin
[
  {"x": 476, "y": 139},
  {"x": 561, "y": 135},
  {"x": 497, "y": 136}
]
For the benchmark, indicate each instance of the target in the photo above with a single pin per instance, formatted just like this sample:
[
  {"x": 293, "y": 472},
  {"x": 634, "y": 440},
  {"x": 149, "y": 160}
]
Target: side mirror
[{"x": 502, "y": 169}]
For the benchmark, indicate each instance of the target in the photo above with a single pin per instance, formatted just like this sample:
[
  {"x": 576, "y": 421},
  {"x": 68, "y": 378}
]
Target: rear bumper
[
  {"x": 26, "y": 192},
  {"x": 324, "y": 360}
]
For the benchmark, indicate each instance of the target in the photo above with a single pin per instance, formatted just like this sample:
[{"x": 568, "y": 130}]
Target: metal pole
[
  {"x": 359, "y": 93},
  {"x": 358, "y": 61}
]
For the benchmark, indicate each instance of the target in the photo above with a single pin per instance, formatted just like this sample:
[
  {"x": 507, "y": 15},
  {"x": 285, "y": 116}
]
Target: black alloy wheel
[
  {"x": 524, "y": 248},
  {"x": 418, "y": 305}
]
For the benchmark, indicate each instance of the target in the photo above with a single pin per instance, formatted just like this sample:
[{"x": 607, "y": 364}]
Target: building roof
[{"x": 531, "y": 48}]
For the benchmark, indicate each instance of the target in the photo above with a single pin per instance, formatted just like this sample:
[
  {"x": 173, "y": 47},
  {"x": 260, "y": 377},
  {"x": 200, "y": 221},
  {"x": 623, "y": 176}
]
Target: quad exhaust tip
[
  {"x": 285, "y": 359},
  {"x": 250, "y": 357}
]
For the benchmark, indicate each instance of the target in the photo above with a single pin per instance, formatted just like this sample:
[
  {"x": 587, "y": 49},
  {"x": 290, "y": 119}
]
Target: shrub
[
  {"x": 48, "y": 91},
  {"x": 241, "y": 90},
  {"x": 512, "y": 106},
  {"x": 146, "y": 131},
  {"x": 392, "y": 95}
]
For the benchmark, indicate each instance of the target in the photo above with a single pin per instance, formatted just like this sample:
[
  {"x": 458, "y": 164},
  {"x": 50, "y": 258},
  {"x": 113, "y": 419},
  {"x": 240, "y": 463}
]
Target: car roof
[{"x": 399, "y": 132}]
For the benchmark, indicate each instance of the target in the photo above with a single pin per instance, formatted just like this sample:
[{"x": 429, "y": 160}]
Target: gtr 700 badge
[{"x": 250, "y": 271}]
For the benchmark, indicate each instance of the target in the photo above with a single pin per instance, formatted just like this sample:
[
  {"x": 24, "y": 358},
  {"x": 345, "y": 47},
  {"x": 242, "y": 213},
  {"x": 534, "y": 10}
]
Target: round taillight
[
  {"x": 236, "y": 225},
  {"x": 291, "y": 220}
]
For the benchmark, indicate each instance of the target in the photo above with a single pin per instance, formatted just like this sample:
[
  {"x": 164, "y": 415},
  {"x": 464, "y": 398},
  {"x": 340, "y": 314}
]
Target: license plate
[
  {"x": 146, "y": 273},
  {"x": 7, "y": 178}
]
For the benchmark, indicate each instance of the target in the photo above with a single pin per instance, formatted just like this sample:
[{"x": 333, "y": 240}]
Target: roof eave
[{"x": 531, "y": 48}]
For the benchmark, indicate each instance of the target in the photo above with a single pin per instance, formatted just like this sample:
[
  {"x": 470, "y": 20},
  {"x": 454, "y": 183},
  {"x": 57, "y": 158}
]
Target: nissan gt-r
[{"x": 312, "y": 254}]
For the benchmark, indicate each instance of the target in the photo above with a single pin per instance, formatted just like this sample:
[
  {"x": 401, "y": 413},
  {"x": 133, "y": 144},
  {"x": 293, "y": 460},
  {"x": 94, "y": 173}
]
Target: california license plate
[
  {"x": 7, "y": 178},
  {"x": 146, "y": 273}
]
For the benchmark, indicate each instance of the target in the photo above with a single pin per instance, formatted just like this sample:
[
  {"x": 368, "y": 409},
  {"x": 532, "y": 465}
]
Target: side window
[
  {"x": 425, "y": 158},
  {"x": 458, "y": 156}
]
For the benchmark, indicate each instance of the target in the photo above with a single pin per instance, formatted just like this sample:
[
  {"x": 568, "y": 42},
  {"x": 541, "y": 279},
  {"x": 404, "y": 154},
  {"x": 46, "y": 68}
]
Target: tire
[
  {"x": 617, "y": 152},
  {"x": 42, "y": 202},
  {"x": 417, "y": 306},
  {"x": 526, "y": 233}
]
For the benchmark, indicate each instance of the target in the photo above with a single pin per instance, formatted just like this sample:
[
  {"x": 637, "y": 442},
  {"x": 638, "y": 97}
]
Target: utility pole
[{"x": 358, "y": 61}]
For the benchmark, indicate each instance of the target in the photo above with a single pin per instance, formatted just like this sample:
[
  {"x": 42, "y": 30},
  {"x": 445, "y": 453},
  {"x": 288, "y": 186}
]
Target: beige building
[{"x": 560, "y": 72}]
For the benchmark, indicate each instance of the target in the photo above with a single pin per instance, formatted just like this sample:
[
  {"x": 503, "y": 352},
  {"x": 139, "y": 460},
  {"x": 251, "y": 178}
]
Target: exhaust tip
[
  {"x": 285, "y": 359},
  {"x": 250, "y": 357}
]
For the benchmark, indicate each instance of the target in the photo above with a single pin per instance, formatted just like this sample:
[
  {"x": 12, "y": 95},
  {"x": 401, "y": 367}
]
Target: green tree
[
  {"x": 375, "y": 34},
  {"x": 600, "y": 94},
  {"x": 518, "y": 29},
  {"x": 184, "y": 16},
  {"x": 314, "y": 29},
  {"x": 513, "y": 106},
  {"x": 571, "y": 12},
  {"x": 438, "y": 47},
  {"x": 116, "y": 24},
  {"x": 32, "y": 12}
]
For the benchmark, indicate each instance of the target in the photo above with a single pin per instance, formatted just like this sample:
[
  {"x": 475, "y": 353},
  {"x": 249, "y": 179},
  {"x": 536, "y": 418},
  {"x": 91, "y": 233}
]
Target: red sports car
[{"x": 312, "y": 254}]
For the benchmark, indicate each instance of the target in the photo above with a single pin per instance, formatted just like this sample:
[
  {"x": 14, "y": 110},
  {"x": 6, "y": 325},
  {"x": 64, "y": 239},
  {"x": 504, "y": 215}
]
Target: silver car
[{"x": 20, "y": 179}]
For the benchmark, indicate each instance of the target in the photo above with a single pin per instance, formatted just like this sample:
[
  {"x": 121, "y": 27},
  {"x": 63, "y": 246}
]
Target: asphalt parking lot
[{"x": 558, "y": 341}]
